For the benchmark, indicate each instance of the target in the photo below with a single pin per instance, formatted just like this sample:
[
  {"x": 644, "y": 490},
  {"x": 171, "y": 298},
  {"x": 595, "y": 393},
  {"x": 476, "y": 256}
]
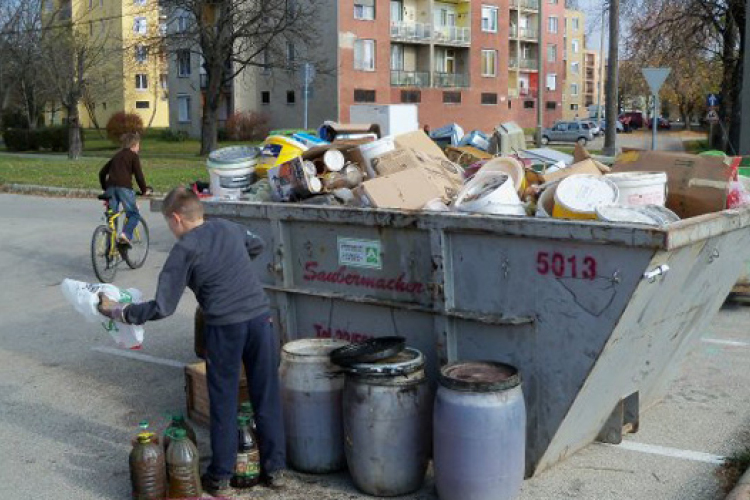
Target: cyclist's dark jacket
[
  {"x": 214, "y": 260},
  {"x": 119, "y": 171}
]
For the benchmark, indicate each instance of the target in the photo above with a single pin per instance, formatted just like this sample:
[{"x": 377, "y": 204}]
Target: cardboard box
[
  {"x": 419, "y": 141},
  {"x": 395, "y": 161},
  {"x": 412, "y": 187},
  {"x": 586, "y": 167},
  {"x": 696, "y": 185},
  {"x": 196, "y": 392},
  {"x": 466, "y": 155}
]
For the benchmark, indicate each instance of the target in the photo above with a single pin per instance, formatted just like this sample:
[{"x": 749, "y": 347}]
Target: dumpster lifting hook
[
  {"x": 714, "y": 255},
  {"x": 659, "y": 271}
]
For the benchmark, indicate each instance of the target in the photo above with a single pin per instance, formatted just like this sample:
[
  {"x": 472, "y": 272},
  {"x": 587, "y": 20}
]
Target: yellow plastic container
[
  {"x": 277, "y": 149},
  {"x": 578, "y": 196}
]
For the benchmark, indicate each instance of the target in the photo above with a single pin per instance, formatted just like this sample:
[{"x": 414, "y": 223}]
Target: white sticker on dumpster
[{"x": 360, "y": 253}]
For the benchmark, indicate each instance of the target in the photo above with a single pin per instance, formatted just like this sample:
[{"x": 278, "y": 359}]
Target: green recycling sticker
[{"x": 360, "y": 253}]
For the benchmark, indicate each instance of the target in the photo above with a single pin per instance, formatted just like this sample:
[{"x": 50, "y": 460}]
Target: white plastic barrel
[
  {"x": 479, "y": 432},
  {"x": 490, "y": 193},
  {"x": 372, "y": 150},
  {"x": 232, "y": 170},
  {"x": 641, "y": 188},
  {"x": 312, "y": 389}
]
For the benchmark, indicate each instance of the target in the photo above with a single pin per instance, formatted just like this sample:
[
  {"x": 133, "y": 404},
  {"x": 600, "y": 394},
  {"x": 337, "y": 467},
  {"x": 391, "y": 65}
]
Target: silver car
[{"x": 579, "y": 132}]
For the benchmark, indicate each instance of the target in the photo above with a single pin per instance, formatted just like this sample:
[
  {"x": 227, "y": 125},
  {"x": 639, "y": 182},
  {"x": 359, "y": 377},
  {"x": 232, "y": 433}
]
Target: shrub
[
  {"x": 247, "y": 126},
  {"x": 16, "y": 139},
  {"x": 14, "y": 119},
  {"x": 170, "y": 135},
  {"x": 222, "y": 135},
  {"x": 51, "y": 138},
  {"x": 123, "y": 123}
]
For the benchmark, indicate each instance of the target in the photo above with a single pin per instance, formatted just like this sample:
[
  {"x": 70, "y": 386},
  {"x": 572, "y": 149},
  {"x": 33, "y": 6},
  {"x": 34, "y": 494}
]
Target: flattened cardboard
[
  {"x": 466, "y": 155},
  {"x": 395, "y": 161},
  {"x": 696, "y": 185},
  {"x": 419, "y": 141},
  {"x": 413, "y": 187}
]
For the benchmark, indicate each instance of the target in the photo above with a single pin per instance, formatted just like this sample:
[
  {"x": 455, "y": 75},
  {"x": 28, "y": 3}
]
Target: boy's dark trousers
[{"x": 228, "y": 346}]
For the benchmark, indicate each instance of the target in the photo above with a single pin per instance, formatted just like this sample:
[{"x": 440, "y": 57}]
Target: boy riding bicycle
[{"x": 116, "y": 181}]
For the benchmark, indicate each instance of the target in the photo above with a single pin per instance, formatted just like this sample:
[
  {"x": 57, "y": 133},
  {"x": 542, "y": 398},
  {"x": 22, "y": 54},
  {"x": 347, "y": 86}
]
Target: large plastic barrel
[
  {"x": 387, "y": 417},
  {"x": 479, "y": 432},
  {"x": 312, "y": 389}
]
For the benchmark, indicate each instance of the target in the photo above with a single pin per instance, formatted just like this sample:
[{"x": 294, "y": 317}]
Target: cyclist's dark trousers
[{"x": 125, "y": 196}]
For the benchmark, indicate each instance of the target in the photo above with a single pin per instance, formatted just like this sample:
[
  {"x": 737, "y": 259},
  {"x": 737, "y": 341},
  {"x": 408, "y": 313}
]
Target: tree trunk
[
  {"x": 75, "y": 146},
  {"x": 726, "y": 109},
  {"x": 210, "y": 120},
  {"x": 610, "y": 134}
]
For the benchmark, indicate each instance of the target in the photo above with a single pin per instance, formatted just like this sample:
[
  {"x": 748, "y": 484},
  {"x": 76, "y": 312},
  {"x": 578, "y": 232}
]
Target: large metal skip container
[{"x": 596, "y": 316}]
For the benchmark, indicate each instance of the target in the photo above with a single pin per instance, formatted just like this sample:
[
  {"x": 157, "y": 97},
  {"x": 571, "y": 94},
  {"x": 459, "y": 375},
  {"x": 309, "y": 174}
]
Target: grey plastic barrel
[
  {"x": 312, "y": 389},
  {"x": 387, "y": 424},
  {"x": 479, "y": 432}
]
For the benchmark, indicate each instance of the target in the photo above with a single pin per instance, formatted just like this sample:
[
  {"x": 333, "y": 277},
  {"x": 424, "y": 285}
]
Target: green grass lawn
[{"x": 161, "y": 173}]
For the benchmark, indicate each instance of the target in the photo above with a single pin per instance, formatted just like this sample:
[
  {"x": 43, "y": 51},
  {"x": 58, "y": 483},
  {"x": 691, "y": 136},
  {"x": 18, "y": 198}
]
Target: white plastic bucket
[
  {"x": 231, "y": 171},
  {"x": 625, "y": 214},
  {"x": 641, "y": 188},
  {"x": 578, "y": 196},
  {"x": 546, "y": 203},
  {"x": 490, "y": 193},
  {"x": 374, "y": 149},
  {"x": 507, "y": 165}
]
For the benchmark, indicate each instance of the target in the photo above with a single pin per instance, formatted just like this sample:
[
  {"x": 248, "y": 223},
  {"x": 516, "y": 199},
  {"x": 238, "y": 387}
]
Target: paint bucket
[
  {"x": 309, "y": 140},
  {"x": 510, "y": 166},
  {"x": 490, "y": 193},
  {"x": 277, "y": 150},
  {"x": 294, "y": 180},
  {"x": 578, "y": 196},
  {"x": 641, "y": 188},
  {"x": 232, "y": 170},
  {"x": 372, "y": 150},
  {"x": 662, "y": 214},
  {"x": 625, "y": 214},
  {"x": 546, "y": 203}
]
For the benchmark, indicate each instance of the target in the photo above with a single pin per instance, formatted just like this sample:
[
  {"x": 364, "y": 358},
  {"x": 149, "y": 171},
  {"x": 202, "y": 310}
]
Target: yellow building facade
[
  {"x": 574, "y": 105},
  {"x": 125, "y": 39}
]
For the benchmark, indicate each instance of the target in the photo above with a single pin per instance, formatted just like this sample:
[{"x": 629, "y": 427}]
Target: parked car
[
  {"x": 664, "y": 124},
  {"x": 595, "y": 129},
  {"x": 619, "y": 128},
  {"x": 568, "y": 132},
  {"x": 634, "y": 118}
]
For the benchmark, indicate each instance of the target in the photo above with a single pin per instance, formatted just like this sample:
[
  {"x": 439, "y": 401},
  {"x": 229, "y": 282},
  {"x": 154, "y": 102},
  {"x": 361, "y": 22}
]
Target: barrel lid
[
  {"x": 368, "y": 351},
  {"x": 405, "y": 362},
  {"x": 583, "y": 193},
  {"x": 625, "y": 214},
  {"x": 313, "y": 347},
  {"x": 479, "y": 376},
  {"x": 234, "y": 154}
]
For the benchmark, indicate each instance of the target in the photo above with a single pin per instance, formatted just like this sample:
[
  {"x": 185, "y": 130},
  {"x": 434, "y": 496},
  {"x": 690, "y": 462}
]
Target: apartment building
[
  {"x": 593, "y": 83},
  {"x": 574, "y": 104},
  {"x": 132, "y": 73}
]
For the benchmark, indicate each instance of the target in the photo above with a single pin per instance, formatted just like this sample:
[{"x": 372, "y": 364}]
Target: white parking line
[
  {"x": 696, "y": 456},
  {"x": 139, "y": 356},
  {"x": 730, "y": 343}
]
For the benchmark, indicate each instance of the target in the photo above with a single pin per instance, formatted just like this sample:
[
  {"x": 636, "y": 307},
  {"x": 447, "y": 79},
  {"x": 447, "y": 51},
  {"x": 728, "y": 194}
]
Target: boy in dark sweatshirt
[{"x": 213, "y": 259}]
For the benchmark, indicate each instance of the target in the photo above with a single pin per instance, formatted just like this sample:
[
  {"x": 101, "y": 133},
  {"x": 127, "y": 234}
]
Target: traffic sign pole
[{"x": 655, "y": 77}]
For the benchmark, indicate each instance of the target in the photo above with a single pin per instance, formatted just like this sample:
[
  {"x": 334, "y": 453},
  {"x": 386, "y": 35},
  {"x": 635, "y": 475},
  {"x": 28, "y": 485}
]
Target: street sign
[
  {"x": 655, "y": 77},
  {"x": 713, "y": 100},
  {"x": 712, "y": 116}
]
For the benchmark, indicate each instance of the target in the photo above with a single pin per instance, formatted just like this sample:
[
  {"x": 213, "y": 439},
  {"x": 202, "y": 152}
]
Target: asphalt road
[{"x": 68, "y": 411}]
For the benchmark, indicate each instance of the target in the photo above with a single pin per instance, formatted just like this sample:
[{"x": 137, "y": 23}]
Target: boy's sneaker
[
  {"x": 123, "y": 240},
  {"x": 276, "y": 480},
  {"x": 216, "y": 487}
]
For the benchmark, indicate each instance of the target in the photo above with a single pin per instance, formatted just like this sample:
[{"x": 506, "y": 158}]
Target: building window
[
  {"x": 265, "y": 62},
  {"x": 397, "y": 57},
  {"x": 182, "y": 24},
  {"x": 553, "y": 2},
  {"x": 489, "y": 19},
  {"x": 552, "y": 82},
  {"x": 290, "y": 97},
  {"x": 574, "y": 89},
  {"x": 265, "y": 97},
  {"x": 489, "y": 62},
  {"x": 451, "y": 97},
  {"x": 140, "y": 25},
  {"x": 575, "y": 45},
  {"x": 101, "y": 3},
  {"x": 574, "y": 107},
  {"x": 290, "y": 54},
  {"x": 551, "y": 105},
  {"x": 489, "y": 98},
  {"x": 528, "y": 104},
  {"x": 364, "y": 55},
  {"x": 411, "y": 96},
  {"x": 575, "y": 68},
  {"x": 361, "y": 95},
  {"x": 140, "y": 2},
  {"x": 91, "y": 28},
  {"x": 91, "y": 4},
  {"x": 104, "y": 105},
  {"x": 141, "y": 81},
  {"x": 552, "y": 24},
  {"x": 551, "y": 53},
  {"x": 183, "y": 63},
  {"x": 142, "y": 105},
  {"x": 364, "y": 10},
  {"x": 141, "y": 54},
  {"x": 164, "y": 80},
  {"x": 183, "y": 108},
  {"x": 576, "y": 24}
]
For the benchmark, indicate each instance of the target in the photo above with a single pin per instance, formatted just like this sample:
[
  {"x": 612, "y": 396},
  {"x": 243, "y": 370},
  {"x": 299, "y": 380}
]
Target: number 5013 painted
[{"x": 563, "y": 266}]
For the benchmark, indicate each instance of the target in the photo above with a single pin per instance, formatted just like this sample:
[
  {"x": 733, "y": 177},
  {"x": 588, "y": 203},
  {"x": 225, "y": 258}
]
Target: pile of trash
[{"x": 352, "y": 165}]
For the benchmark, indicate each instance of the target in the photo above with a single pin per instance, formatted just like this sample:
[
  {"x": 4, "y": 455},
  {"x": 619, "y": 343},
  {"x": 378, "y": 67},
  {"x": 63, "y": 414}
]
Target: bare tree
[{"x": 234, "y": 35}]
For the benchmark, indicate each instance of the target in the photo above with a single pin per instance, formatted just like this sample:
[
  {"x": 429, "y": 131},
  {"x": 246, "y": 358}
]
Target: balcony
[
  {"x": 410, "y": 78},
  {"x": 527, "y": 93},
  {"x": 512, "y": 63},
  {"x": 513, "y": 93},
  {"x": 529, "y": 64},
  {"x": 529, "y": 33},
  {"x": 452, "y": 35},
  {"x": 404, "y": 31},
  {"x": 525, "y": 4},
  {"x": 450, "y": 80}
]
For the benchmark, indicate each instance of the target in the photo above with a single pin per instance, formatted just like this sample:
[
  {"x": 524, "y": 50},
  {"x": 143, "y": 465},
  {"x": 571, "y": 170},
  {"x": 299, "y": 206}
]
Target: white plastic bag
[{"x": 85, "y": 297}]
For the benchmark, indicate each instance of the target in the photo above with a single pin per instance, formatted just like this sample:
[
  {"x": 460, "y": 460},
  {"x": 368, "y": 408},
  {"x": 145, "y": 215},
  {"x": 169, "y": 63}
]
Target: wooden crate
[{"x": 196, "y": 392}]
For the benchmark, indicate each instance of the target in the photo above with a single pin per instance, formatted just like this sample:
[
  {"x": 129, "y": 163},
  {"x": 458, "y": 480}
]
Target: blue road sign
[{"x": 713, "y": 100}]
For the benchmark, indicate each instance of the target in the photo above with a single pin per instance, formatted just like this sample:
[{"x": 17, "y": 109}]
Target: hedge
[{"x": 49, "y": 138}]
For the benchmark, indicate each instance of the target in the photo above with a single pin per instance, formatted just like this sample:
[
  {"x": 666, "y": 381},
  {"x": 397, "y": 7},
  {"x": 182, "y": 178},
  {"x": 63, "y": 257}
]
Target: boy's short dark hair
[
  {"x": 130, "y": 139},
  {"x": 184, "y": 202}
]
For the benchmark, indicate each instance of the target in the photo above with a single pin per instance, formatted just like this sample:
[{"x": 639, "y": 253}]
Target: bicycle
[{"x": 107, "y": 252}]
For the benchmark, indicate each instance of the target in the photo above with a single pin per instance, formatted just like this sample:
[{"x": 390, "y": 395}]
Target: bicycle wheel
[
  {"x": 103, "y": 258},
  {"x": 135, "y": 256}
]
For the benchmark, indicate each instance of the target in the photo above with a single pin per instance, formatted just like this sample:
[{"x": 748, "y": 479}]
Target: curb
[
  {"x": 54, "y": 191},
  {"x": 742, "y": 490}
]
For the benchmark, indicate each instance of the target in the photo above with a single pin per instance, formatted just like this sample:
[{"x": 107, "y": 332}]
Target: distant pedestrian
[{"x": 426, "y": 129}]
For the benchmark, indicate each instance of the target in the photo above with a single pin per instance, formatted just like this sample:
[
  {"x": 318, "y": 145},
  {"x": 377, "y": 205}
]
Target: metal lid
[
  {"x": 405, "y": 362},
  {"x": 369, "y": 351},
  {"x": 234, "y": 154},
  {"x": 479, "y": 376}
]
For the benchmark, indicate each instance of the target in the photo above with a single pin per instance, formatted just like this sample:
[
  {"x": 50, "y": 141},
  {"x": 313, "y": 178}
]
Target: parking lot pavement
[{"x": 70, "y": 402}]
